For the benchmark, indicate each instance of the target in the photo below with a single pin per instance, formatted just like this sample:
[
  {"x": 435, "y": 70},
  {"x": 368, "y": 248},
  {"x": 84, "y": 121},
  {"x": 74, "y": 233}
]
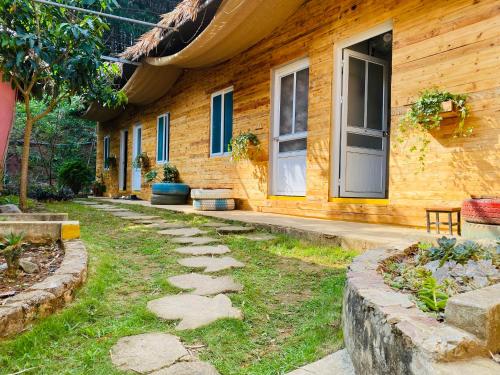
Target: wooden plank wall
[{"x": 454, "y": 45}]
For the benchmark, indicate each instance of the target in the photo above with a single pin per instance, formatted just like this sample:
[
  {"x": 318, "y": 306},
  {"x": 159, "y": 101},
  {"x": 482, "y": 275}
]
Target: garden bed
[
  {"x": 44, "y": 259},
  {"x": 433, "y": 274}
]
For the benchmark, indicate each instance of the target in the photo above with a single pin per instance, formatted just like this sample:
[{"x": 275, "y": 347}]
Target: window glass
[
  {"x": 222, "y": 122},
  {"x": 301, "y": 98},
  {"x": 106, "y": 152},
  {"x": 356, "y": 93},
  {"x": 286, "y": 104},
  {"x": 160, "y": 144},
  {"x": 364, "y": 141},
  {"x": 375, "y": 101},
  {"x": 293, "y": 145}
]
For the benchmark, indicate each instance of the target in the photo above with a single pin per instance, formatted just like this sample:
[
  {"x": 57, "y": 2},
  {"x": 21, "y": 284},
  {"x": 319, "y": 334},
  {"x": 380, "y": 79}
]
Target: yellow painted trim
[
  {"x": 285, "y": 198},
  {"x": 375, "y": 201},
  {"x": 70, "y": 230}
]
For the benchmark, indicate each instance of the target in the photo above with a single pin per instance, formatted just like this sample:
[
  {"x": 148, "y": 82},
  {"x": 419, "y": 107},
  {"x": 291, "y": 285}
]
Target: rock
[
  {"x": 211, "y": 264},
  {"x": 147, "y": 352},
  {"x": 204, "y": 285},
  {"x": 338, "y": 363},
  {"x": 203, "y": 250},
  {"x": 213, "y": 224},
  {"x": 3, "y": 266},
  {"x": 194, "y": 240},
  {"x": 28, "y": 266},
  {"x": 234, "y": 229},
  {"x": 194, "y": 311},
  {"x": 188, "y": 368},
  {"x": 9, "y": 209},
  {"x": 259, "y": 236},
  {"x": 183, "y": 232},
  {"x": 165, "y": 225}
]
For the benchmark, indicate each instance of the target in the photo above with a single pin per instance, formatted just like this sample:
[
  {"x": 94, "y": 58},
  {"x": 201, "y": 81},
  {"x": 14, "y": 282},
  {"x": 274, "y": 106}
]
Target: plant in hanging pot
[
  {"x": 142, "y": 161},
  {"x": 244, "y": 146},
  {"x": 425, "y": 116},
  {"x": 170, "y": 190},
  {"x": 98, "y": 187}
]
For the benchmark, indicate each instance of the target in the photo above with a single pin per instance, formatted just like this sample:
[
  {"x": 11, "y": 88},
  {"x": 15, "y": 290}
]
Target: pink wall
[{"x": 7, "y": 106}]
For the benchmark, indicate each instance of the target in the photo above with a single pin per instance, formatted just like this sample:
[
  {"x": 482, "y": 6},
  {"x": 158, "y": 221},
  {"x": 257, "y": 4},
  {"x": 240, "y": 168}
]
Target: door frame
[
  {"x": 134, "y": 155},
  {"x": 122, "y": 183},
  {"x": 279, "y": 71},
  {"x": 336, "y": 131}
]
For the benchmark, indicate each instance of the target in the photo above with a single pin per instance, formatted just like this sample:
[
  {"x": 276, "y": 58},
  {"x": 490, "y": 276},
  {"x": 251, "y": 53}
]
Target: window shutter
[{"x": 160, "y": 140}]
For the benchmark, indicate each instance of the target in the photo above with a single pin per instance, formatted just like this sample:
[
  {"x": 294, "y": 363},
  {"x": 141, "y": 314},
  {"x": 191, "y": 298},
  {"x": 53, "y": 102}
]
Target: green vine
[
  {"x": 425, "y": 115},
  {"x": 240, "y": 146}
]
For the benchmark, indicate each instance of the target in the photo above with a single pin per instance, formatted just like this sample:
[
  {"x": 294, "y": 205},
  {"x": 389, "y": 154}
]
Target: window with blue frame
[
  {"x": 105, "y": 157},
  {"x": 221, "y": 129},
  {"x": 162, "y": 138}
]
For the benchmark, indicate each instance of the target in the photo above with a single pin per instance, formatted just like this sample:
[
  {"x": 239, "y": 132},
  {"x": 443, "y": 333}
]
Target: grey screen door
[{"x": 363, "y": 152}]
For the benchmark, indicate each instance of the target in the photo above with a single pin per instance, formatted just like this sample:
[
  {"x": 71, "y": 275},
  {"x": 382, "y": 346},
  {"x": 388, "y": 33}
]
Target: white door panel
[
  {"x": 289, "y": 146},
  {"x": 364, "y": 173},
  {"x": 291, "y": 175}
]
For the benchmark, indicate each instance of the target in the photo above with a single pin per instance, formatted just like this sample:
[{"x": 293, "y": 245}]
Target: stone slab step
[
  {"x": 211, "y": 264},
  {"x": 194, "y": 240},
  {"x": 182, "y": 232},
  {"x": 205, "y": 285},
  {"x": 203, "y": 250},
  {"x": 234, "y": 229}
]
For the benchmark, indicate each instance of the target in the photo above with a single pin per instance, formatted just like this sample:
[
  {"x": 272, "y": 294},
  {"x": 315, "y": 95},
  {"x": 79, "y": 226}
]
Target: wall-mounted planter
[
  {"x": 169, "y": 193},
  {"x": 449, "y": 110}
]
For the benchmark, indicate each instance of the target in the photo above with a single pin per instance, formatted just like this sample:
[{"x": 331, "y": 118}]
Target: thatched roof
[{"x": 184, "y": 11}]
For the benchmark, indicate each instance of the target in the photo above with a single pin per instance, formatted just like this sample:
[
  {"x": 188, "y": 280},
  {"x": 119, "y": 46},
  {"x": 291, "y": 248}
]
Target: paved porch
[{"x": 354, "y": 235}]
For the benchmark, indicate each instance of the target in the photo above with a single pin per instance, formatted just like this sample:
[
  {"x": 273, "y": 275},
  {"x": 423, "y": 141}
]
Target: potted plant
[
  {"x": 170, "y": 190},
  {"x": 244, "y": 146},
  {"x": 98, "y": 187},
  {"x": 142, "y": 161},
  {"x": 112, "y": 161},
  {"x": 426, "y": 115}
]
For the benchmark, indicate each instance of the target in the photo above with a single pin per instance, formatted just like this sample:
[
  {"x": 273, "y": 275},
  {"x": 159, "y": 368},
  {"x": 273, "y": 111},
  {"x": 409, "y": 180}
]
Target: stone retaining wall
[
  {"x": 47, "y": 296},
  {"x": 385, "y": 333}
]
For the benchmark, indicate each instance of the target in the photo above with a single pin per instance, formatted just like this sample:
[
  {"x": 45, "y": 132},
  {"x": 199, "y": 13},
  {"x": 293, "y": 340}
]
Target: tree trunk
[{"x": 23, "y": 186}]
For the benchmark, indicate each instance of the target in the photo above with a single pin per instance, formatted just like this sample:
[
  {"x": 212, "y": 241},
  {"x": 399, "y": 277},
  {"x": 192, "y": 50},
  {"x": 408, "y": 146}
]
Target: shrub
[
  {"x": 170, "y": 173},
  {"x": 11, "y": 247},
  {"x": 50, "y": 193},
  {"x": 75, "y": 174}
]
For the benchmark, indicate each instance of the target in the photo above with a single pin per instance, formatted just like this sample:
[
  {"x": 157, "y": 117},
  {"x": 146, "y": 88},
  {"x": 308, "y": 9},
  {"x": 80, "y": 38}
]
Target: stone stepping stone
[
  {"x": 214, "y": 225},
  {"x": 194, "y": 311},
  {"x": 194, "y": 240},
  {"x": 116, "y": 209},
  {"x": 211, "y": 264},
  {"x": 259, "y": 236},
  {"x": 234, "y": 229},
  {"x": 147, "y": 352},
  {"x": 103, "y": 207},
  {"x": 205, "y": 285},
  {"x": 188, "y": 368},
  {"x": 140, "y": 217},
  {"x": 203, "y": 250},
  {"x": 124, "y": 214},
  {"x": 89, "y": 203},
  {"x": 147, "y": 221},
  {"x": 166, "y": 225},
  {"x": 184, "y": 232}
]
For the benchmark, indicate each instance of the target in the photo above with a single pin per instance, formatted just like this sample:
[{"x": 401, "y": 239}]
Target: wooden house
[{"x": 323, "y": 84}]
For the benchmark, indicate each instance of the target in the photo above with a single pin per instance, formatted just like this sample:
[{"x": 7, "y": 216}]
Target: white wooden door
[
  {"x": 289, "y": 146},
  {"x": 136, "y": 150},
  {"x": 363, "y": 153}
]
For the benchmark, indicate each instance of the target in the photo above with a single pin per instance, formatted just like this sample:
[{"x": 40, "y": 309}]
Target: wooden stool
[{"x": 443, "y": 210}]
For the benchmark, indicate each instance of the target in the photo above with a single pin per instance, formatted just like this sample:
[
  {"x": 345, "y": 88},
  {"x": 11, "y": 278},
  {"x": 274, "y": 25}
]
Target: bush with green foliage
[
  {"x": 240, "y": 146},
  {"x": 75, "y": 174},
  {"x": 170, "y": 173},
  {"x": 11, "y": 248},
  {"x": 49, "y": 193}
]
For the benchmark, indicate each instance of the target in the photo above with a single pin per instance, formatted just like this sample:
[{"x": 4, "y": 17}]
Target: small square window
[{"x": 106, "y": 145}]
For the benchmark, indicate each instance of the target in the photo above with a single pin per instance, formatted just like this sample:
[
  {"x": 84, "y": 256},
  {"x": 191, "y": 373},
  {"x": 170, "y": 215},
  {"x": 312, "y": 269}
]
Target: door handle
[{"x": 385, "y": 134}]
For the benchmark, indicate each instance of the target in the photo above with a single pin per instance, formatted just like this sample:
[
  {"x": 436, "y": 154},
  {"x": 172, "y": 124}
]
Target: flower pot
[{"x": 171, "y": 193}]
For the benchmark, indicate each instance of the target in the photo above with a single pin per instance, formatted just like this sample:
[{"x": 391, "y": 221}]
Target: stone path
[
  {"x": 184, "y": 232},
  {"x": 205, "y": 285},
  {"x": 211, "y": 264},
  {"x": 194, "y": 311},
  {"x": 202, "y": 304},
  {"x": 194, "y": 240},
  {"x": 338, "y": 363},
  {"x": 203, "y": 250},
  {"x": 234, "y": 229}
]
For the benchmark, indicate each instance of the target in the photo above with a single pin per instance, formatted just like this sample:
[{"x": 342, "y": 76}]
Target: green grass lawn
[{"x": 291, "y": 302}]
